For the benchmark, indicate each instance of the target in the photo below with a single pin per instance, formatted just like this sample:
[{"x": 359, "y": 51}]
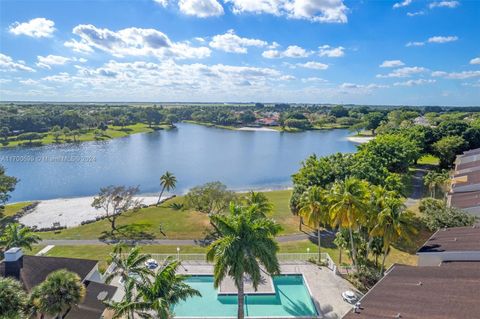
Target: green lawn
[
  {"x": 193, "y": 225},
  {"x": 101, "y": 252},
  {"x": 176, "y": 224},
  {"x": 428, "y": 160},
  {"x": 111, "y": 132},
  {"x": 12, "y": 209}
]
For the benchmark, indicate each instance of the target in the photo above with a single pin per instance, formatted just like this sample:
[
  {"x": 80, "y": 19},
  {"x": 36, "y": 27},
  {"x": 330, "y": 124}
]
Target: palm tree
[
  {"x": 246, "y": 242},
  {"x": 13, "y": 299},
  {"x": 131, "y": 306},
  {"x": 129, "y": 266},
  {"x": 168, "y": 181},
  {"x": 393, "y": 223},
  {"x": 165, "y": 290},
  {"x": 314, "y": 210},
  {"x": 259, "y": 201},
  {"x": 348, "y": 207},
  {"x": 16, "y": 235},
  {"x": 60, "y": 291}
]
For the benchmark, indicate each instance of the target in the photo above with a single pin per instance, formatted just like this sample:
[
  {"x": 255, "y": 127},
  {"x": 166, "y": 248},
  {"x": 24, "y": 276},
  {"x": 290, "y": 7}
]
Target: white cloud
[
  {"x": 36, "y": 28},
  {"x": 441, "y": 39},
  {"x": 47, "y": 61},
  {"x": 403, "y": 72},
  {"x": 133, "y": 42},
  {"x": 352, "y": 88},
  {"x": 313, "y": 65},
  {"x": 456, "y": 75},
  {"x": 475, "y": 61},
  {"x": 391, "y": 64},
  {"x": 274, "y": 7},
  {"x": 416, "y": 13},
  {"x": 195, "y": 81},
  {"x": 28, "y": 82},
  {"x": 313, "y": 79},
  {"x": 415, "y": 44},
  {"x": 163, "y": 3},
  {"x": 414, "y": 82},
  {"x": 404, "y": 3},
  {"x": 444, "y": 4},
  {"x": 435, "y": 39},
  {"x": 230, "y": 42},
  {"x": 323, "y": 11},
  {"x": 331, "y": 52},
  {"x": 8, "y": 64},
  {"x": 293, "y": 51},
  {"x": 326, "y": 11},
  {"x": 201, "y": 8}
]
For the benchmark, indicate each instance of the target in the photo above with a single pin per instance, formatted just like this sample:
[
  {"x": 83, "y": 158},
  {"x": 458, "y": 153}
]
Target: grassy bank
[
  {"x": 149, "y": 223},
  {"x": 88, "y": 135}
]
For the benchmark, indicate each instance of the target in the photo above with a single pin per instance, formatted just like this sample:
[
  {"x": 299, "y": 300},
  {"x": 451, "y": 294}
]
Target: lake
[{"x": 196, "y": 154}]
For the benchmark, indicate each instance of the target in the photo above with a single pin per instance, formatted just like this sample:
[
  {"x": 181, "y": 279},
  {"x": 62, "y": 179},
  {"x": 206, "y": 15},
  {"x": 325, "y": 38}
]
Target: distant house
[
  {"x": 444, "y": 285},
  {"x": 421, "y": 120},
  {"x": 32, "y": 270},
  {"x": 267, "y": 121}
]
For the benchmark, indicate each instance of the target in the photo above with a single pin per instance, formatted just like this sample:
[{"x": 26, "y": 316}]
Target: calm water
[
  {"x": 291, "y": 299},
  {"x": 195, "y": 154}
]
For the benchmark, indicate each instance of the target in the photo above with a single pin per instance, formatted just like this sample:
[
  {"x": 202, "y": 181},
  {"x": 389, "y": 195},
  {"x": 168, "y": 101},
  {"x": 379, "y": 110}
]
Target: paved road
[
  {"x": 417, "y": 186},
  {"x": 173, "y": 242}
]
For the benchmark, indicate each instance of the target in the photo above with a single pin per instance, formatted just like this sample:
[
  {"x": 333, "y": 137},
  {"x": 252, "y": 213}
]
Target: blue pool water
[{"x": 291, "y": 300}]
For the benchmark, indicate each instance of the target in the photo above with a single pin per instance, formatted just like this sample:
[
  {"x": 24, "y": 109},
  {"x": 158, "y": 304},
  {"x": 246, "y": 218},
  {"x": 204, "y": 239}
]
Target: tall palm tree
[
  {"x": 129, "y": 265},
  {"x": 16, "y": 235},
  {"x": 60, "y": 291},
  {"x": 314, "y": 208},
  {"x": 246, "y": 242},
  {"x": 165, "y": 290},
  {"x": 394, "y": 223},
  {"x": 13, "y": 299},
  {"x": 131, "y": 306},
  {"x": 348, "y": 207},
  {"x": 168, "y": 181},
  {"x": 259, "y": 201}
]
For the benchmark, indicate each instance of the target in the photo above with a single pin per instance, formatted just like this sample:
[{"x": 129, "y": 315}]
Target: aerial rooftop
[
  {"x": 448, "y": 291},
  {"x": 454, "y": 239}
]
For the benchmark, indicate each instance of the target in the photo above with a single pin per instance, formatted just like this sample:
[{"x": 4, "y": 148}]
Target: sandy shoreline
[
  {"x": 360, "y": 139},
  {"x": 68, "y": 212},
  {"x": 71, "y": 212},
  {"x": 256, "y": 129}
]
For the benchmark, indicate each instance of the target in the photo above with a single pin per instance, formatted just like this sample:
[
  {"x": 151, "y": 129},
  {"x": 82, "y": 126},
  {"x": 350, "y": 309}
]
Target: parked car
[
  {"x": 349, "y": 296},
  {"x": 151, "y": 264}
]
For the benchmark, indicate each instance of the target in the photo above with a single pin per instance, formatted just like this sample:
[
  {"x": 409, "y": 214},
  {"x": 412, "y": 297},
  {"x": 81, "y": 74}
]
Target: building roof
[
  {"x": 36, "y": 268},
  {"x": 470, "y": 178},
  {"x": 453, "y": 239},
  {"x": 92, "y": 306},
  {"x": 465, "y": 200},
  {"x": 472, "y": 152},
  {"x": 449, "y": 291},
  {"x": 463, "y": 166}
]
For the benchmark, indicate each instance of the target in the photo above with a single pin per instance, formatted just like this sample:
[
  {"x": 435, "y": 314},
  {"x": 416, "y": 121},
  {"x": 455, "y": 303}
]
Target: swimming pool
[{"x": 291, "y": 300}]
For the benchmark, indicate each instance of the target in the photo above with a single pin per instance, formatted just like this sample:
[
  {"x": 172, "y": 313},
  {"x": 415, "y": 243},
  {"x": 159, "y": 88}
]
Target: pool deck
[{"x": 325, "y": 287}]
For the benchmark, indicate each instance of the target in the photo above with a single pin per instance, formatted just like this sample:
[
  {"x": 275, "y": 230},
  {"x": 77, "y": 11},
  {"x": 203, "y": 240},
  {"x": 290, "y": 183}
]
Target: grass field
[
  {"x": 193, "y": 225},
  {"x": 176, "y": 224},
  {"x": 12, "y": 209},
  {"x": 110, "y": 133},
  {"x": 428, "y": 160},
  {"x": 101, "y": 252}
]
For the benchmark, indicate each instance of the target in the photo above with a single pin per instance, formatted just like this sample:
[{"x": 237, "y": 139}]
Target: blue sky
[{"x": 407, "y": 52}]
